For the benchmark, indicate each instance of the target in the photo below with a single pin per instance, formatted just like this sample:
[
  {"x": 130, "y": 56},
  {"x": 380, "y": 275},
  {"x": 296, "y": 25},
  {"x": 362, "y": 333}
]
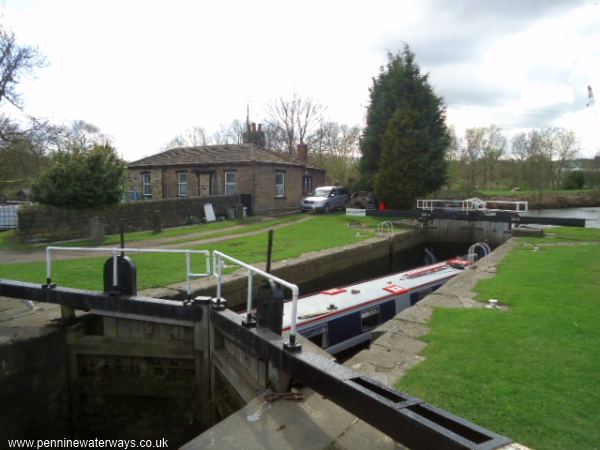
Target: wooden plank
[
  {"x": 101, "y": 345},
  {"x": 124, "y": 328},
  {"x": 236, "y": 375},
  {"x": 110, "y": 326},
  {"x": 139, "y": 387}
]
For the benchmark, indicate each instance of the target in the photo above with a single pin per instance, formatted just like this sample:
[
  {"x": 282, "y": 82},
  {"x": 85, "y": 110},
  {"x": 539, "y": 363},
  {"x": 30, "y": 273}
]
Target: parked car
[{"x": 326, "y": 198}]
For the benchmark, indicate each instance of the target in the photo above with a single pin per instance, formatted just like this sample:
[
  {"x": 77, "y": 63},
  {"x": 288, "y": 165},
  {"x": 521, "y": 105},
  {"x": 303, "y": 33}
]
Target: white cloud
[{"x": 144, "y": 71}]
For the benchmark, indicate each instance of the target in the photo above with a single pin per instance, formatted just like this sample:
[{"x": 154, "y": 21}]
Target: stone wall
[
  {"x": 40, "y": 223},
  {"x": 33, "y": 382},
  {"x": 494, "y": 233}
]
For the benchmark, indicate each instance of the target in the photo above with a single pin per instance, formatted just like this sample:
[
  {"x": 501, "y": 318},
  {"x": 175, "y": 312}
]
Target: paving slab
[
  {"x": 18, "y": 321},
  {"x": 314, "y": 423},
  {"x": 405, "y": 327}
]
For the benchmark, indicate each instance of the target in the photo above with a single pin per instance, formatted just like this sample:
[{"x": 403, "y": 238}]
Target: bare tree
[
  {"x": 494, "y": 147},
  {"x": 335, "y": 147},
  {"x": 23, "y": 156},
  {"x": 16, "y": 61},
  {"x": 193, "y": 137},
  {"x": 479, "y": 153},
  {"x": 566, "y": 149},
  {"x": 79, "y": 135},
  {"x": 470, "y": 155},
  {"x": 291, "y": 121},
  {"x": 229, "y": 134},
  {"x": 544, "y": 155},
  {"x": 453, "y": 155}
]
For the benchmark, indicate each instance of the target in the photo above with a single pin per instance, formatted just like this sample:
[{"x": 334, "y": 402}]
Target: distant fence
[
  {"x": 8, "y": 217},
  {"x": 40, "y": 223}
]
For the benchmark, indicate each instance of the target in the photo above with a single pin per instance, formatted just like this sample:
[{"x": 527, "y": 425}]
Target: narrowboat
[{"x": 341, "y": 318}]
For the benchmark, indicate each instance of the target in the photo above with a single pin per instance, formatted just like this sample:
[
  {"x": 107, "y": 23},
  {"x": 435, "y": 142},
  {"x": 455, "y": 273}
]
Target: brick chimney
[{"x": 302, "y": 152}]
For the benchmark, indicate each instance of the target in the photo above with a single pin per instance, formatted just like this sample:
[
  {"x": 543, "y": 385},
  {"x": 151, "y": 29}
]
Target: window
[
  {"x": 307, "y": 184},
  {"x": 146, "y": 185},
  {"x": 230, "y": 183},
  {"x": 369, "y": 318},
  {"x": 182, "y": 182},
  {"x": 280, "y": 184}
]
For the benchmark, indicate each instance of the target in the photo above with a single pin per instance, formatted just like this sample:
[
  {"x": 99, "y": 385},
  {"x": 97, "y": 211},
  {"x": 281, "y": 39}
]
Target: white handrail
[
  {"x": 218, "y": 258},
  {"x": 473, "y": 204},
  {"x": 482, "y": 245},
  {"x": 116, "y": 250},
  {"x": 385, "y": 227}
]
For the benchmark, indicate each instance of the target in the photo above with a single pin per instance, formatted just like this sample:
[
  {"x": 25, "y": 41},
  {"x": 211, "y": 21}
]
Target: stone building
[{"x": 265, "y": 180}]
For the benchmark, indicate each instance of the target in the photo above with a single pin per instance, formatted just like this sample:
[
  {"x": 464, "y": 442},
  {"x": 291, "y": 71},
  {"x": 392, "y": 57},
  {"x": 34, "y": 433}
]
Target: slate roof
[{"x": 216, "y": 154}]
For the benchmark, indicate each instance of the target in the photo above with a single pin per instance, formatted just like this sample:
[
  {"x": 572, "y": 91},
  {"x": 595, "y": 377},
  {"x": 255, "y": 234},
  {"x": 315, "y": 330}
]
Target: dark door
[{"x": 246, "y": 200}]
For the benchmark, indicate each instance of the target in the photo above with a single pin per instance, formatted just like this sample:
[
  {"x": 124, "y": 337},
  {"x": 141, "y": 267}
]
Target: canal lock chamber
[{"x": 116, "y": 378}]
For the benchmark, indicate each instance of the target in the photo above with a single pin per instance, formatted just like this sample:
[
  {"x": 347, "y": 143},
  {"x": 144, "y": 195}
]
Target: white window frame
[
  {"x": 146, "y": 185},
  {"x": 280, "y": 187},
  {"x": 182, "y": 186},
  {"x": 230, "y": 186}
]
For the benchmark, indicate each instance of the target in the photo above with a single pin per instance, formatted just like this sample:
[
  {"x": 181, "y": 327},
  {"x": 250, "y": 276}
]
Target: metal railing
[
  {"x": 218, "y": 259},
  {"x": 115, "y": 253},
  {"x": 472, "y": 254},
  {"x": 473, "y": 204},
  {"x": 217, "y": 271},
  {"x": 385, "y": 227}
]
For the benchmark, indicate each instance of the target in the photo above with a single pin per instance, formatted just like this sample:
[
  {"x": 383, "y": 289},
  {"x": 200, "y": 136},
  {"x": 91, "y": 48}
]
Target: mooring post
[{"x": 67, "y": 313}]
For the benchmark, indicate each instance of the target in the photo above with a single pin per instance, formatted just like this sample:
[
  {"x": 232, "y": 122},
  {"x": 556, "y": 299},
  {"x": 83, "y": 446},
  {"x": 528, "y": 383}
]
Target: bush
[
  {"x": 574, "y": 180},
  {"x": 81, "y": 178}
]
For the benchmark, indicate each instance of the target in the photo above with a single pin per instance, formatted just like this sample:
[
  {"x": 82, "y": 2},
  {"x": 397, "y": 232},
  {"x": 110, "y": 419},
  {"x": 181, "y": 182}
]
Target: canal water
[{"x": 592, "y": 214}]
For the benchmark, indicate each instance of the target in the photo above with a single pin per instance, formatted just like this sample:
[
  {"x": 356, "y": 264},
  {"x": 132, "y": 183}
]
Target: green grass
[
  {"x": 9, "y": 241},
  {"x": 531, "y": 372},
  {"x": 208, "y": 228},
  {"x": 248, "y": 227},
  {"x": 564, "y": 234},
  {"x": 156, "y": 270}
]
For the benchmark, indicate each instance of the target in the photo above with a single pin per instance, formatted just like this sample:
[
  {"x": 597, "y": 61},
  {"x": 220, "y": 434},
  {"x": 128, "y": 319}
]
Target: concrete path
[
  {"x": 14, "y": 256},
  {"x": 18, "y": 321}
]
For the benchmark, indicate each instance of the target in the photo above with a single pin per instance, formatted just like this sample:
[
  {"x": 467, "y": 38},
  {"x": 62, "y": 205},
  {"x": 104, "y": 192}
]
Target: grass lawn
[
  {"x": 211, "y": 229},
  {"x": 564, "y": 234},
  {"x": 531, "y": 372},
  {"x": 9, "y": 241},
  {"x": 156, "y": 270}
]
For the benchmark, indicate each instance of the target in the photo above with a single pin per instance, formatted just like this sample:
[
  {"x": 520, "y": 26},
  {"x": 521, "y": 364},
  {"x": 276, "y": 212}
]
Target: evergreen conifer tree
[{"x": 404, "y": 144}]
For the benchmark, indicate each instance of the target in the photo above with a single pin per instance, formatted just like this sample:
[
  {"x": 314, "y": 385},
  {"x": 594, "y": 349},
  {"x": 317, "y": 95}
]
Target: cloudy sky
[{"x": 145, "y": 71}]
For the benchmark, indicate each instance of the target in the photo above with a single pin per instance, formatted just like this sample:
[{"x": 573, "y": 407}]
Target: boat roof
[{"x": 334, "y": 301}]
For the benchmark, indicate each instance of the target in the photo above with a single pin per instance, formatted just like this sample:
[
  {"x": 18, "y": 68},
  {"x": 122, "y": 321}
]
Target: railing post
[
  {"x": 293, "y": 344},
  {"x": 218, "y": 267},
  {"x": 250, "y": 321},
  {"x": 48, "y": 266},
  {"x": 115, "y": 270},
  {"x": 188, "y": 271}
]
